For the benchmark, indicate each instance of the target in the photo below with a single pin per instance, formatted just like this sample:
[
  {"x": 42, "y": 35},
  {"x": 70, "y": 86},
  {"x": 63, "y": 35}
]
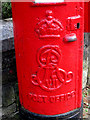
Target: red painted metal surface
[
  {"x": 87, "y": 17},
  {"x": 49, "y": 55}
]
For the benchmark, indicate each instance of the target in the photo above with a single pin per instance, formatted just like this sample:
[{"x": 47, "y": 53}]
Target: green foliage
[{"x": 6, "y": 10}]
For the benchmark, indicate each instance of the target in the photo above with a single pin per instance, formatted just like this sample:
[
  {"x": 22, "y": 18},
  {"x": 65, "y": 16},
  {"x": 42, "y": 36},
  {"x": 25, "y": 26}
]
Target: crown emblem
[{"x": 49, "y": 27}]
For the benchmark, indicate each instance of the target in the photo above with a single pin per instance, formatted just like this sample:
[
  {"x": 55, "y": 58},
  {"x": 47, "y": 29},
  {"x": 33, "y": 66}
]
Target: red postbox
[
  {"x": 87, "y": 17},
  {"x": 49, "y": 55}
]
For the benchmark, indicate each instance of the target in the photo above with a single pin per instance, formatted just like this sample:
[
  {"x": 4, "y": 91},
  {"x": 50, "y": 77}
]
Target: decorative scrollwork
[{"x": 50, "y": 76}]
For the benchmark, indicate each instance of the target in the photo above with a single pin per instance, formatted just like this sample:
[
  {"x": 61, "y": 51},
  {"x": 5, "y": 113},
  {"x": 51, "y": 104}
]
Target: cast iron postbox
[
  {"x": 87, "y": 17},
  {"x": 49, "y": 55}
]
